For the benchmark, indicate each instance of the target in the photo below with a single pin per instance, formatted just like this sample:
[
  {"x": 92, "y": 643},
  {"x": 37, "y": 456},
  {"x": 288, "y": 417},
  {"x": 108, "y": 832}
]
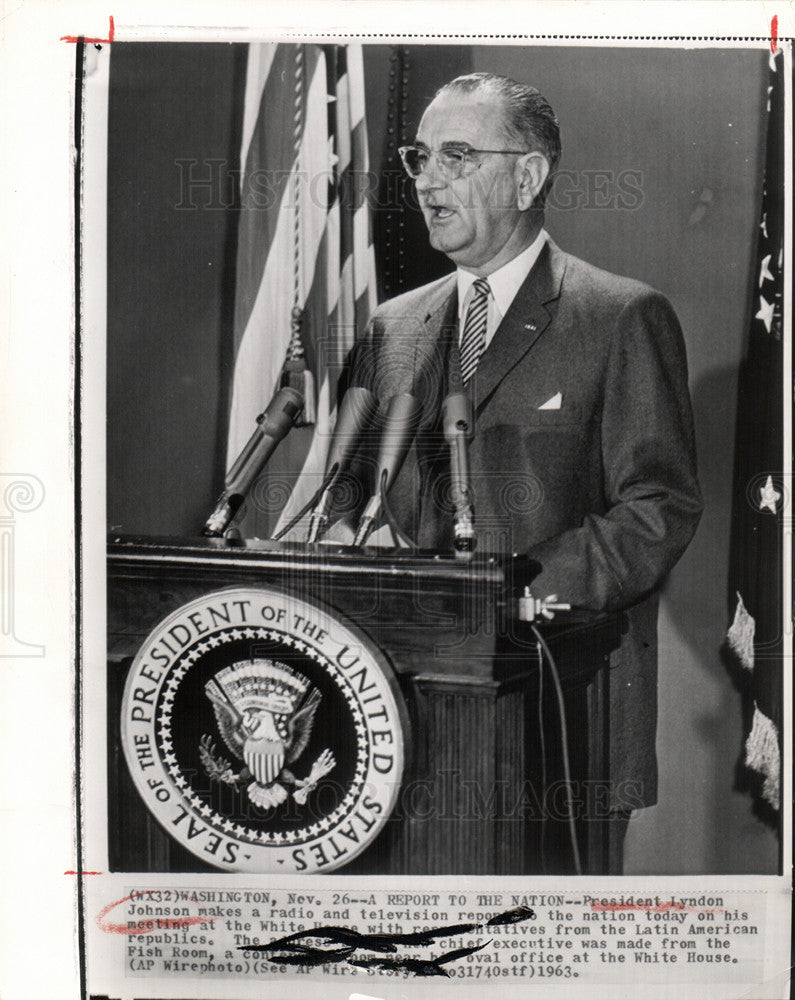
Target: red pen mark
[
  {"x": 96, "y": 41},
  {"x": 146, "y": 925},
  {"x": 774, "y": 34},
  {"x": 82, "y": 873}
]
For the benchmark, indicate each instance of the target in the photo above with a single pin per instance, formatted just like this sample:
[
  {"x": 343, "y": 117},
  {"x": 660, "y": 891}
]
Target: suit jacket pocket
[{"x": 569, "y": 415}]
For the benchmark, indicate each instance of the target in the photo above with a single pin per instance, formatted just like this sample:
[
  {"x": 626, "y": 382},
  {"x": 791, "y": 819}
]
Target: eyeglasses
[{"x": 451, "y": 160}]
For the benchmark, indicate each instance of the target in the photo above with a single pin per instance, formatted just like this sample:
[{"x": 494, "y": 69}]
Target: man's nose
[{"x": 431, "y": 177}]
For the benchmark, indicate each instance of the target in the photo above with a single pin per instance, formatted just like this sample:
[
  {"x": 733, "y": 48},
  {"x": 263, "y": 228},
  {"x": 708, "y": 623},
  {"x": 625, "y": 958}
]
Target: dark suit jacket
[{"x": 601, "y": 491}]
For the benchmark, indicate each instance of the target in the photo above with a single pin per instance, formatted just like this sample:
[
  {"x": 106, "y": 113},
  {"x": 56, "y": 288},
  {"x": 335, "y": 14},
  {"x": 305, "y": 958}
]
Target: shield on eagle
[
  {"x": 264, "y": 710},
  {"x": 265, "y": 759}
]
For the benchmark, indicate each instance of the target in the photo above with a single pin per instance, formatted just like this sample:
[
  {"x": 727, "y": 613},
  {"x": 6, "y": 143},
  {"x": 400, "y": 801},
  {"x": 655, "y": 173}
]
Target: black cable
[
  {"x": 305, "y": 510},
  {"x": 543, "y": 742},
  {"x": 575, "y": 850},
  {"x": 397, "y": 531}
]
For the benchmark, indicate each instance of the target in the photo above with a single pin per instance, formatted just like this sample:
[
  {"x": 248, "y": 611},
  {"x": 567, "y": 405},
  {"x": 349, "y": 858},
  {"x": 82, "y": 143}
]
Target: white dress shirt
[{"x": 504, "y": 283}]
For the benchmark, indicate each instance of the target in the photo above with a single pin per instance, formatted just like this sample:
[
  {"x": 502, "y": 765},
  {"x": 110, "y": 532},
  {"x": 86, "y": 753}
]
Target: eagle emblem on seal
[{"x": 265, "y": 711}]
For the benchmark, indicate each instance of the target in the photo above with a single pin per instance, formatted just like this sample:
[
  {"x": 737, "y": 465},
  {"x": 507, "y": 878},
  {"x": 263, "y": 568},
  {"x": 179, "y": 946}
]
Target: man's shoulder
[
  {"x": 417, "y": 299},
  {"x": 586, "y": 276},
  {"x": 589, "y": 282}
]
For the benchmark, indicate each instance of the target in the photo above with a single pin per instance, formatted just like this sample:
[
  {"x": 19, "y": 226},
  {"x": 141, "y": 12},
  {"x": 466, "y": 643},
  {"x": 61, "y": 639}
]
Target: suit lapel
[
  {"x": 441, "y": 309},
  {"x": 526, "y": 320},
  {"x": 440, "y": 330}
]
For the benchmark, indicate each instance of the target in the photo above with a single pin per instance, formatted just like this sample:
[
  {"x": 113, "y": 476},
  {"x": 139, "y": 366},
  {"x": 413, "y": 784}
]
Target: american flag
[
  {"x": 304, "y": 250},
  {"x": 756, "y": 635}
]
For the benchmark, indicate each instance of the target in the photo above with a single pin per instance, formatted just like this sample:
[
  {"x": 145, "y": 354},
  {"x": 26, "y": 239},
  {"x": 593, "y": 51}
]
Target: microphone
[
  {"x": 458, "y": 420},
  {"x": 400, "y": 425},
  {"x": 357, "y": 409},
  {"x": 273, "y": 425}
]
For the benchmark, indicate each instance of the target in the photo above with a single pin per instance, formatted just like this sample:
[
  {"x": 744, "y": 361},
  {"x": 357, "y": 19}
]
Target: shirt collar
[{"x": 506, "y": 281}]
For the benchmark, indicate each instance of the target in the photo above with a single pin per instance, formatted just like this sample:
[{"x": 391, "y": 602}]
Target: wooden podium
[{"x": 475, "y": 797}]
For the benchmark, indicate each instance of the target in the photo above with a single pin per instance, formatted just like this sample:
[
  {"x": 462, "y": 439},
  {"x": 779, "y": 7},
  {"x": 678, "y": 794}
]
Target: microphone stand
[
  {"x": 273, "y": 425},
  {"x": 458, "y": 426},
  {"x": 400, "y": 425},
  {"x": 357, "y": 410}
]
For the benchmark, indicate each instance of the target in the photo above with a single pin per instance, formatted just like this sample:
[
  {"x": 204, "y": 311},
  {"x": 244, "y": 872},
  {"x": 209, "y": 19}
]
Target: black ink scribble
[
  {"x": 416, "y": 966},
  {"x": 310, "y": 957},
  {"x": 515, "y": 916},
  {"x": 288, "y": 951}
]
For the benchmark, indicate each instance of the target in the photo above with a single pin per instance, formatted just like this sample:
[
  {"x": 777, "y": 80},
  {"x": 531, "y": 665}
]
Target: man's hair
[{"x": 528, "y": 118}]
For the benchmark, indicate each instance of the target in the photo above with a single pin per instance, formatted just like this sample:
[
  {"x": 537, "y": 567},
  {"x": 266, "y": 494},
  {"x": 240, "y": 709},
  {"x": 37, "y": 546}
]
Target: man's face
[{"x": 473, "y": 218}]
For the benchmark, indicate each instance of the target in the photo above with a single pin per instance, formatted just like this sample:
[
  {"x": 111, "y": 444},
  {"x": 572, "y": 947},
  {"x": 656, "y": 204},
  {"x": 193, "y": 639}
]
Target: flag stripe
[
  {"x": 258, "y": 66},
  {"x": 365, "y": 303},
  {"x": 262, "y": 346},
  {"x": 268, "y": 170},
  {"x": 350, "y": 258}
]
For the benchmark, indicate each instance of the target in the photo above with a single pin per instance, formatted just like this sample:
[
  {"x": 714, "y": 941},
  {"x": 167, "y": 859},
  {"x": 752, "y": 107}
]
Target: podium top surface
[
  {"x": 336, "y": 558},
  {"x": 354, "y": 569}
]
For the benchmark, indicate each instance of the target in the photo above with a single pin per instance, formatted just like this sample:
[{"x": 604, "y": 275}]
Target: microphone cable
[
  {"x": 543, "y": 742},
  {"x": 307, "y": 507},
  {"x": 564, "y": 735},
  {"x": 394, "y": 527}
]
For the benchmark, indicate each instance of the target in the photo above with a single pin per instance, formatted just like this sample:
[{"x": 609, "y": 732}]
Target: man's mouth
[{"x": 440, "y": 213}]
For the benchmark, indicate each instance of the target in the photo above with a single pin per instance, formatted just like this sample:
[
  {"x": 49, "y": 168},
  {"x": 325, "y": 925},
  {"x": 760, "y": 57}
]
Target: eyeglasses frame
[{"x": 402, "y": 150}]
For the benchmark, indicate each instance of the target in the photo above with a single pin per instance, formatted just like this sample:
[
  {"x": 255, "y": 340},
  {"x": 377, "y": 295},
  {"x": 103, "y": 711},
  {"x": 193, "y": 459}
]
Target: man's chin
[{"x": 443, "y": 241}]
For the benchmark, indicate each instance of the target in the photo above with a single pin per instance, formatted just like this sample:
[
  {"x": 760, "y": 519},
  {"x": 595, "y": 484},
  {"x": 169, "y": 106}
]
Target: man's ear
[{"x": 532, "y": 170}]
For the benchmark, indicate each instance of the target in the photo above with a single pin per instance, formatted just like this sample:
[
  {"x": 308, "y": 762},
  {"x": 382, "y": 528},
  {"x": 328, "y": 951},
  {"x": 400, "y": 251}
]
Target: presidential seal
[{"x": 264, "y": 733}]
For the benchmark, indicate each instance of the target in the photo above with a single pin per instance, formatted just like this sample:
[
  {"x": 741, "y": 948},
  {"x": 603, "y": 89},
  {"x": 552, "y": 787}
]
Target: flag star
[
  {"x": 769, "y": 496},
  {"x": 763, "y": 224},
  {"x": 765, "y": 312},
  {"x": 765, "y": 273}
]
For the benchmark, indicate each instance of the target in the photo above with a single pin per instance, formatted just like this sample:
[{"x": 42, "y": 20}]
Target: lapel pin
[{"x": 529, "y": 326}]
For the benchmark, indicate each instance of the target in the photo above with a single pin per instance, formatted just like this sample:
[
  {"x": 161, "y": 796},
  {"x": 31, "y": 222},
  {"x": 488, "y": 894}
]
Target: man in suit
[{"x": 583, "y": 456}]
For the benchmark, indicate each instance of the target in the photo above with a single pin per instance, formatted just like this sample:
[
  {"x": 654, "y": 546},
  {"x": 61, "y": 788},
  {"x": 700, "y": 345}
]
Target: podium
[{"x": 482, "y": 789}]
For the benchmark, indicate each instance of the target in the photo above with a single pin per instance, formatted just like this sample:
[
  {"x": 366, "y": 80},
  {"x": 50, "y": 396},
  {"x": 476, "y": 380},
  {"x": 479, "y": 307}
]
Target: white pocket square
[{"x": 553, "y": 403}]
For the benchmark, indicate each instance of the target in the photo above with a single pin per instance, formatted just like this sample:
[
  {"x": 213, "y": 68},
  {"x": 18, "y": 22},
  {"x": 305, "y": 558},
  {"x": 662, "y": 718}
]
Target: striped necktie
[{"x": 473, "y": 339}]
